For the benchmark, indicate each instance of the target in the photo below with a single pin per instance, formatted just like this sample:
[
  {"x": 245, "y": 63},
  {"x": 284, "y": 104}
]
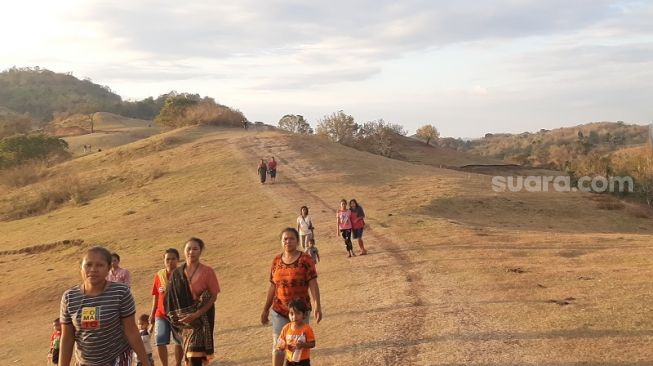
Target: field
[{"x": 457, "y": 274}]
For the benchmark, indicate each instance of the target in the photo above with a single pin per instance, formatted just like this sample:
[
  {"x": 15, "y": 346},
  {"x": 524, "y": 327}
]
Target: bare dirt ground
[{"x": 457, "y": 274}]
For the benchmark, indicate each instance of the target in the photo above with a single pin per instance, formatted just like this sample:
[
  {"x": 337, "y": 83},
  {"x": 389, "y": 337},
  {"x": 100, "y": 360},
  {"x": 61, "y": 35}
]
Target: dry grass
[
  {"x": 434, "y": 290},
  {"x": 44, "y": 197},
  {"x": 24, "y": 174}
]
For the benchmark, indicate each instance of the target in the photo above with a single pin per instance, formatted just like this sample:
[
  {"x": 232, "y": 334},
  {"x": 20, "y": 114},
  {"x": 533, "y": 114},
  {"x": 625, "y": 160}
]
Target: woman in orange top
[
  {"x": 190, "y": 304},
  {"x": 292, "y": 276}
]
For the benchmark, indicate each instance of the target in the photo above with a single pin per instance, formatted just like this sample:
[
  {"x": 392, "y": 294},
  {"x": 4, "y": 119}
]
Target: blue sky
[{"x": 468, "y": 67}]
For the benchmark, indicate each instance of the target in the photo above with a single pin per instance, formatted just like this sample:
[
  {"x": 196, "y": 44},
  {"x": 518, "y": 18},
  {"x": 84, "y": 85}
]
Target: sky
[{"x": 466, "y": 67}]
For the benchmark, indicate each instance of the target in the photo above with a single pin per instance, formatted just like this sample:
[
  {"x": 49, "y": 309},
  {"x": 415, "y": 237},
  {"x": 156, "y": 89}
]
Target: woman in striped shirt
[{"x": 98, "y": 317}]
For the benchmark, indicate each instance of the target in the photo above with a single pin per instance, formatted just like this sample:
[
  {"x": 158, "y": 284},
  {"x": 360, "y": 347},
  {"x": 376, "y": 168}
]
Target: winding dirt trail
[{"x": 405, "y": 328}]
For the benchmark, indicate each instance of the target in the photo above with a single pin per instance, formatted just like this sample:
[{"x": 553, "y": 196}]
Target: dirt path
[{"x": 402, "y": 332}]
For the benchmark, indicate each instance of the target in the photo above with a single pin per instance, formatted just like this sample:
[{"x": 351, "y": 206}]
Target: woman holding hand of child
[
  {"x": 97, "y": 317},
  {"x": 292, "y": 276}
]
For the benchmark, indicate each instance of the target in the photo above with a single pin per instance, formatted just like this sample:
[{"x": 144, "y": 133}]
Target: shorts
[
  {"x": 278, "y": 321},
  {"x": 273, "y": 173},
  {"x": 306, "y": 362},
  {"x": 163, "y": 331},
  {"x": 357, "y": 233}
]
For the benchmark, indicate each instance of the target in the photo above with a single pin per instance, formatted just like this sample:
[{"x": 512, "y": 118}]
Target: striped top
[{"x": 99, "y": 335}]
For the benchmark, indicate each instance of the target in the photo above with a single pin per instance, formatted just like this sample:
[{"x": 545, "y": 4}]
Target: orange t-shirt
[
  {"x": 292, "y": 336},
  {"x": 291, "y": 281}
]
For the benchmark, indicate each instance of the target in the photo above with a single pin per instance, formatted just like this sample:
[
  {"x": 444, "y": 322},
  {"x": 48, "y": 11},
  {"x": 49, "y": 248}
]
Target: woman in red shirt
[{"x": 292, "y": 276}]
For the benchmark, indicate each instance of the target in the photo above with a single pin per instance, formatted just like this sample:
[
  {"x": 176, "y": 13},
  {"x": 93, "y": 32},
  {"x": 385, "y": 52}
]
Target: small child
[
  {"x": 297, "y": 337},
  {"x": 143, "y": 322},
  {"x": 312, "y": 250},
  {"x": 55, "y": 338}
]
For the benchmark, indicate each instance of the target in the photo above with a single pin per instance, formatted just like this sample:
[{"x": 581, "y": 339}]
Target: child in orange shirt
[{"x": 297, "y": 337}]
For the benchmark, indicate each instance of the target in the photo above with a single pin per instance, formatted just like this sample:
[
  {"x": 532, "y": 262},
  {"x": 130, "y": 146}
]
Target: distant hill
[
  {"x": 555, "y": 148},
  {"x": 43, "y": 94}
]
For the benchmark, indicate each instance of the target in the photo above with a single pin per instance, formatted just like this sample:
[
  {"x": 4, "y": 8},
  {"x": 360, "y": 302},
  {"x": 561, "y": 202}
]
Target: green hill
[{"x": 43, "y": 94}]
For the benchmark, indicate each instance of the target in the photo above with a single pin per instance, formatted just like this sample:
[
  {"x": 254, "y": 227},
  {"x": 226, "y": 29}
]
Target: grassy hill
[
  {"x": 110, "y": 130},
  {"x": 558, "y": 146},
  {"x": 457, "y": 274}
]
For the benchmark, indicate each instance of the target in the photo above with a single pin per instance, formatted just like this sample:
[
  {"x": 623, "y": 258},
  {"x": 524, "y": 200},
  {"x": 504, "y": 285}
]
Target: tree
[
  {"x": 338, "y": 127},
  {"x": 174, "y": 108},
  {"x": 428, "y": 133},
  {"x": 18, "y": 149},
  {"x": 295, "y": 124},
  {"x": 377, "y": 136}
]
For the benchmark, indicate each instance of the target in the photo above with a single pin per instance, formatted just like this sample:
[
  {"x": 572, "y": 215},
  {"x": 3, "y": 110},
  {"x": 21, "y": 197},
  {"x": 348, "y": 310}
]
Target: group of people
[
  {"x": 264, "y": 169},
  {"x": 98, "y": 320}
]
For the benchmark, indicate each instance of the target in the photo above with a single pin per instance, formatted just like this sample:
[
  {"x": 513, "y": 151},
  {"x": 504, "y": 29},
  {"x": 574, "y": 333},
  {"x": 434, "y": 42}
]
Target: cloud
[{"x": 340, "y": 35}]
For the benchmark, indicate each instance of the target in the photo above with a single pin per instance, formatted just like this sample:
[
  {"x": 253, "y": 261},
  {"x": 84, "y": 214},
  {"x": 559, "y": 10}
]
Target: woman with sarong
[{"x": 190, "y": 304}]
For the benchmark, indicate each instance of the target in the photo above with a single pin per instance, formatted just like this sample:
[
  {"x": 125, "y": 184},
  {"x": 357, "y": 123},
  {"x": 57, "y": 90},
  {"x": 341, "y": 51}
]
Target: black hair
[
  {"x": 354, "y": 201},
  {"x": 199, "y": 242},
  {"x": 172, "y": 251},
  {"x": 115, "y": 255},
  {"x": 290, "y": 230},
  {"x": 345, "y": 201},
  {"x": 302, "y": 208},
  {"x": 104, "y": 252},
  {"x": 57, "y": 320},
  {"x": 144, "y": 318},
  {"x": 299, "y": 305}
]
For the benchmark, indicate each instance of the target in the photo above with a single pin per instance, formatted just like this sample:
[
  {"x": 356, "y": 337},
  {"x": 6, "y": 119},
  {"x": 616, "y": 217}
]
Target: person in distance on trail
[
  {"x": 304, "y": 226},
  {"x": 272, "y": 169},
  {"x": 357, "y": 223},
  {"x": 262, "y": 171},
  {"x": 312, "y": 250},
  {"x": 343, "y": 226},
  {"x": 55, "y": 341},
  {"x": 118, "y": 274}
]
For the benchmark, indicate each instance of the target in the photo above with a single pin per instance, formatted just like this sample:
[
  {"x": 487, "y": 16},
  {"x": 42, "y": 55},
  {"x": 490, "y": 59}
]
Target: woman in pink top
[
  {"x": 343, "y": 225},
  {"x": 190, "y": 304}
]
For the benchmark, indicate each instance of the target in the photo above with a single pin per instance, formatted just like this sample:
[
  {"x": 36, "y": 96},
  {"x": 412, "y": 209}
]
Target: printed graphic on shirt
[{"x": 90, "y": 317}]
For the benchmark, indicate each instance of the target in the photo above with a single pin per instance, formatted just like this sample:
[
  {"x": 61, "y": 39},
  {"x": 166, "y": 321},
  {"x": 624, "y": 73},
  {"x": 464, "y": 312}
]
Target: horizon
[{"x": 466, "y": 68}]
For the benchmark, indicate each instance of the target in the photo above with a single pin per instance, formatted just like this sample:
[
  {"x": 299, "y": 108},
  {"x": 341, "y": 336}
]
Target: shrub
[
  {"x": 18, "y": 149},
  {"x": 45, "y": 197},
  {"x": 24, "y": 175}
]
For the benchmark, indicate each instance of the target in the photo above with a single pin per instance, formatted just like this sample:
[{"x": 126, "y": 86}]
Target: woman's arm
[
  {"x": 66, "y": 344},
  {"x": 314, "y": 290},
  {"x": 268, "y": 303},
  {"x": 134, "y": 338}
]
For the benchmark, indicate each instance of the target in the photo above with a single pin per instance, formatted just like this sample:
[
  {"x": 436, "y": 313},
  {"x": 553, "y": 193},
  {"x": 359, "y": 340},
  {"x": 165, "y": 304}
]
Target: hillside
[
  {"x": 416, "y": 151},
  {"x": 457, "y": 274},
  {"x": 43, "y": 94},
  {"x": 558, "y": 146}
]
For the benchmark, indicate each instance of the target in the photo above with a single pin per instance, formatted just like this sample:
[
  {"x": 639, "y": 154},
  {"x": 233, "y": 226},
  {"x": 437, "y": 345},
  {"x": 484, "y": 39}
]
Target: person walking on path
[
  {"x": 190, "y": 304},
  {"x": 297, "y": 337},
  {"x": 118, "y": 274},
  {"x": 262, "y": 171},
  {"x": 304, "y": 226},
  {"x": 293, "y": 275},
  {"x": 97, "y": 318},
  {"x": 163, "y": 331},
  {"x": 343, "y": 226},
  {"x": 357, "y": 224},
  {"x": 272, "y": 169}
]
